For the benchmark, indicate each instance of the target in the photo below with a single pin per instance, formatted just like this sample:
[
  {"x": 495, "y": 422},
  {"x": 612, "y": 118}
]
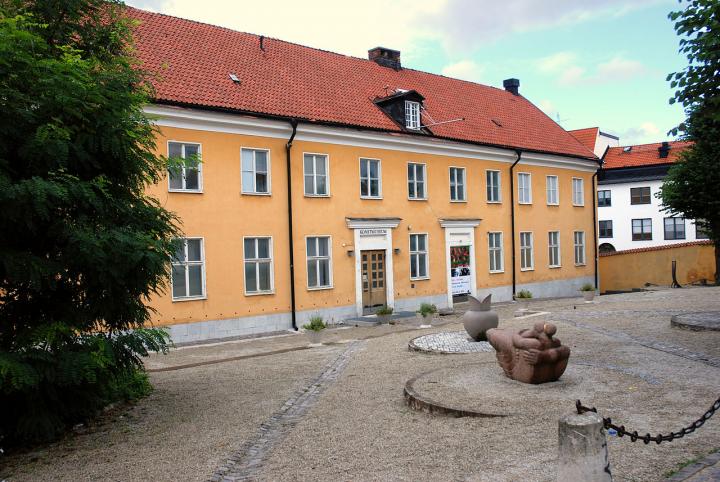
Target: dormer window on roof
[{"x": 412, "y": 115}]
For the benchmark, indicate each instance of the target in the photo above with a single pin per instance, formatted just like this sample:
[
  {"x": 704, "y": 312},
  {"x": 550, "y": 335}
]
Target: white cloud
[
  {"x": 466, "y": 24},
  {"x": 645, "y": 133},
  {"x": 345, "y": 27},
  {"x": 564, "y": 66},
  {"x": 466, "y": 70}
]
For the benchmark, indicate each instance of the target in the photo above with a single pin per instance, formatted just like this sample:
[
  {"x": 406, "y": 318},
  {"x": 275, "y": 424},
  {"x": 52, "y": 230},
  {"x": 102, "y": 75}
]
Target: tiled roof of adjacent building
[
  {"x": 194, "y": 62},
  {"x": 642, "y": 155},
  {"x": 586, "y": 137}
]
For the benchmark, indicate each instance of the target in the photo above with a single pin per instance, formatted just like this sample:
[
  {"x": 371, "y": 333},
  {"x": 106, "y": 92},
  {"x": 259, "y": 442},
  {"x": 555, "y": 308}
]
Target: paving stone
[{"x": 449, "y": 342}]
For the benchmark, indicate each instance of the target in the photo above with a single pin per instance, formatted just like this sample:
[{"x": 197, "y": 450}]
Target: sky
[{"x": 586, "y": 63}]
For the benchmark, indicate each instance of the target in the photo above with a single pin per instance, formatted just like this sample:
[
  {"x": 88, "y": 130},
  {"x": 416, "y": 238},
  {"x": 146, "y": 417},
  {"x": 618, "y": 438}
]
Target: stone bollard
[{"x": 582, "y": 449}]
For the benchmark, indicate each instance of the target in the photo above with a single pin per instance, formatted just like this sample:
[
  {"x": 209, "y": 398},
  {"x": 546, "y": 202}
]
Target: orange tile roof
[
  {"x": 642, "y": 155},
  {"x": 194, "y": 61},
  {"x": 586, "y": 137},
  {"x": 657, "y": 248}
]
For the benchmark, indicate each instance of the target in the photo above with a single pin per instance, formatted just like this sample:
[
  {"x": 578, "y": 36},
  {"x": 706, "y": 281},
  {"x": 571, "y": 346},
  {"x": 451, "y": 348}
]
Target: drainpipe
[
  {"x": 595, "y": 242},
  {"x": 512, "y": 216},
  {"x": 288, "y": 146}
]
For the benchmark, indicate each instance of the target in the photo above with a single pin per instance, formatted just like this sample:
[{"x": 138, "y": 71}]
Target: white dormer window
[{"x": 412, "y": 114}]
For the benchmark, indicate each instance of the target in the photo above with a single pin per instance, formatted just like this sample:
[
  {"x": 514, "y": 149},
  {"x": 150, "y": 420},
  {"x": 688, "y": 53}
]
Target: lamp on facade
[
  {"x": 396, "y": 250},
  {"x": 350, "y": 253}
]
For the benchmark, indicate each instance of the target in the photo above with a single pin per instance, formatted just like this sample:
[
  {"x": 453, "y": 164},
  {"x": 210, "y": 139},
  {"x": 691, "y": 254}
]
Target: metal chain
[{"x": 659, "y": 438}]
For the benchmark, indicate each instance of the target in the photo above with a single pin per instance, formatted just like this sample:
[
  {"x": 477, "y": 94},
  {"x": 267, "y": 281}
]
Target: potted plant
[
  {"x": 384, "y": 314},
  {"x": 588, "y": 291},
  {"x": 314, "y": 329},
  {"x": 523, "y": 296},
  {"x": 426, "y": 313}
]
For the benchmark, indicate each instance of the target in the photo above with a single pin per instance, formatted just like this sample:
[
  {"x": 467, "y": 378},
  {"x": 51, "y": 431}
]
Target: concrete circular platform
[
  {"x": 481, "y": 389},
  {"x": 449, "y": 342},
  {"x": 704, "y": 321}
]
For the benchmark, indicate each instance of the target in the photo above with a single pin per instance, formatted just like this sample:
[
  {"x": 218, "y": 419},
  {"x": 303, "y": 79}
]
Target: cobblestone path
[{"x": 244, "y": 464}]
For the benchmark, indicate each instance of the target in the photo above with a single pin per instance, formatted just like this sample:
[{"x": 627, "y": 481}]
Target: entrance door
[{"x": 373, "y": 278}]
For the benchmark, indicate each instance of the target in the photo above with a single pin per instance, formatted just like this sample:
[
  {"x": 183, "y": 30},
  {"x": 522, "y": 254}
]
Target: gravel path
[{"x": 360, "y": 429}]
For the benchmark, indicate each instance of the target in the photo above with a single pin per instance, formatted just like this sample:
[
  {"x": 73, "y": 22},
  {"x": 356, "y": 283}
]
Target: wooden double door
[{"x": 373, "y": 278}]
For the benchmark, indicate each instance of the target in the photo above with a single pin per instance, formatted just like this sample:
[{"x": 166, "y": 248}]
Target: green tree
[
  {"x": 691, "y": 186},
  {"x": 82, "y": 246}
]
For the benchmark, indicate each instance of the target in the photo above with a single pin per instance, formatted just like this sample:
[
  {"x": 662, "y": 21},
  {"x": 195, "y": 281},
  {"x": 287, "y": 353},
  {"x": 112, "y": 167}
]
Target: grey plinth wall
[{"x": 583, "y": 453}]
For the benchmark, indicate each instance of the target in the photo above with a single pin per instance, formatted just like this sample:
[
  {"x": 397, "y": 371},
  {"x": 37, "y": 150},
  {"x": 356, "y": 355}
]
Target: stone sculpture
[
  {"x": 532, "y": 355},
  {"x": 479, "y": 318}
]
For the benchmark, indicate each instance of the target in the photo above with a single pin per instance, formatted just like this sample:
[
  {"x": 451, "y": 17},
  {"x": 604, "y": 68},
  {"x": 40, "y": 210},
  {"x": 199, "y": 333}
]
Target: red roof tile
[
  {"x": 194, "y": 61},
  {"x": 658, "y": 248},
  {"x": 586, "y": 137},
  {"x": 642, "y": 155}
]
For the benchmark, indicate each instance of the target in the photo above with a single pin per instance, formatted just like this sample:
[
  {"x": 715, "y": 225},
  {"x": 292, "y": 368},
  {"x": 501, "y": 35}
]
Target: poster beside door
[{"x": 460, "y": 273}]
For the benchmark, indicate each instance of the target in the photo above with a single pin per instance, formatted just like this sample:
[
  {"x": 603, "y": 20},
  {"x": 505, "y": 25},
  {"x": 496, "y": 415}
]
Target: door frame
[
  {"x": 364, "y": 240},
  {"x": 370, "y": 271},
  {"x": 464, "y": 227}
]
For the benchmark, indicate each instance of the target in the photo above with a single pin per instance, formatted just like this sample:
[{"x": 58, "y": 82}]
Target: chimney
[
  {"x": 385, "y": 57},
  {"x": 664, "y": 150},
  {"x": 512, "y": 86}
]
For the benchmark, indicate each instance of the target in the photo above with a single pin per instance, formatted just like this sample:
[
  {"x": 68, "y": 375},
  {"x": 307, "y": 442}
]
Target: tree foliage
[
  {"x": 82, "y": 246},
  {"x": 691, "y": 186}
]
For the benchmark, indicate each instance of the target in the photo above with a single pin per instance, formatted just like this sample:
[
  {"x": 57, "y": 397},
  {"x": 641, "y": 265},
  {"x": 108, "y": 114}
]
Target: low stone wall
[{"x": 626, "y": 270}]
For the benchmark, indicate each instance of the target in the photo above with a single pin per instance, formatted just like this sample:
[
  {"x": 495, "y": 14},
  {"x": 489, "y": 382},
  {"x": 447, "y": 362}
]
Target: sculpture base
[{"x": 481, "y": 390}]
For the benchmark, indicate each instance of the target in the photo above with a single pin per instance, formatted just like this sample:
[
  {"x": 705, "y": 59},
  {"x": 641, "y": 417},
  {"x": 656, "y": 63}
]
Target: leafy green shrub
[
  {"x": 67, "y": 378},
  {"x": 587, "y": 287},
  {"x": 427, "y": 309},
  {"x": 385, "y": 310},
  {"x": 523, "y": 294},
  {"x": 316, "y": 324},
  {"x": 83, "y": 246}
]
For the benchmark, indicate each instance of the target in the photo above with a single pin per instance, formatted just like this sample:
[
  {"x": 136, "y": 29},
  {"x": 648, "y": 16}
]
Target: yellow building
[{"x": 404, "y": 187}]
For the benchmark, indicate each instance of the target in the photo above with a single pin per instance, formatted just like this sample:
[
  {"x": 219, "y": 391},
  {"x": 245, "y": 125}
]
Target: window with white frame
[
  {"x": 185, "y": 172},
  {"x": 188, "y": 269},
  {"x": 526, "y": 251},
  {"x": 524, "y": 188},
  {"x": 674, "y": 228},
  {"x": 412, "y": 114},
  {"x": 416, "y": 181},
  {"x": 457, "y": 184},
  {"x": 319, "y": 270},
  {"x": 258, "y": 265},
  {"x": 370, "y": 178},
  {"x": 551, "y": 183},
  {"x": 579, "y": 237},
  {"x": 418, "y": 256},
  {"x": 554, "y": 249},
  {"x": 578, "y": 191},
  {"x": 255, "y": 171},
  {"x": 495, "y": 252},
  {"x": 493, "y": 186},
  {"x": 315, "y": 169}
]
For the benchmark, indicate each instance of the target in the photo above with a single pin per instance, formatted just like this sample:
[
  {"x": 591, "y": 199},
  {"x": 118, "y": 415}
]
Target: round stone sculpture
[{"x": 479, "y": 318}]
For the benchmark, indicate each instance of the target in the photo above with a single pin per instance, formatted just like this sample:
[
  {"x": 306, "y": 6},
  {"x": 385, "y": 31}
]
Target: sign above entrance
[{"x": 374, "y": 232}]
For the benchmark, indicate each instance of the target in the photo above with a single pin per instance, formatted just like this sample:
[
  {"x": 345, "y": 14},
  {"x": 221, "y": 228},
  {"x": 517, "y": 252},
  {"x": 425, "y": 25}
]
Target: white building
[{"x": 629, "y": 211}]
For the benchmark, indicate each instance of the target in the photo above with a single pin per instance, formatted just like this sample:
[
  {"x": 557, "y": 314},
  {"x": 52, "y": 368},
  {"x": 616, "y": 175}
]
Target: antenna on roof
[
  {"x": 443, "y": 122},
  {"x": 558, "y": 119},
  {"x": 262, "y": 46}
]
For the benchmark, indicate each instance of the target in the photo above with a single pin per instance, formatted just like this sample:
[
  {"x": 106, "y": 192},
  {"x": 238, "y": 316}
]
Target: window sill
[
  {"x": 497, "y": 272},
  {"x": 527, "y": 269},
  {"x": 554, "y": 266},
  {"x": 260, "y": 293},
  {"x": 417, "y": 198},
  {"x": 580, "y": 265},
  {"x": 186, "y": 191},
  {"x": 525, "y": 204},
  {"x": 494, "y": 202},
  {"x": 578, "y": 205},
  {"x": 372, "y": 198},
  {"x": 425, "y": 278},
  {"x": 317, "y": 195},
  {"x": 256, "y": 193},
  {"x": 320, "y": 288},
  {"x": 458, "y": 201},
  {"x": 553, "y": 204},
  {"x": 189, "y": 298}
]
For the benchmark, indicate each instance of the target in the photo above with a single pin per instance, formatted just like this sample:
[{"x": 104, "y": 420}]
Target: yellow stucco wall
[
  {"x": 222, "y": 216},
  {"x": 624, "y": 271}
]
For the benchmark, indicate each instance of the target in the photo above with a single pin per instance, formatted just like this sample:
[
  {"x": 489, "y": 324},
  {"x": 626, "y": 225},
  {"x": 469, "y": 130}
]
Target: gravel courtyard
[{"x": 274, "y": 409}]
